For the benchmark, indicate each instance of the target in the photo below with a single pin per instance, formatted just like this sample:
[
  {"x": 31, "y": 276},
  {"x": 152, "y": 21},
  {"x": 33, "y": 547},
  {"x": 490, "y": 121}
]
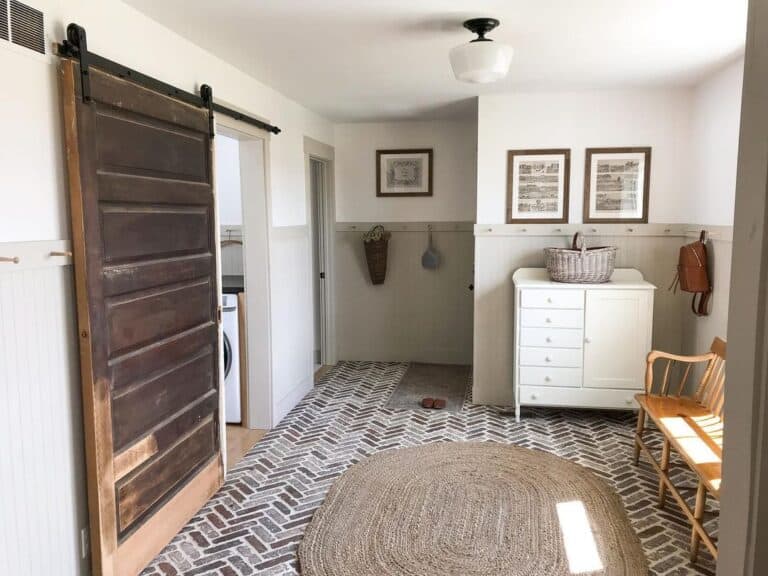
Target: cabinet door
[{"x": 617, "y": 338}]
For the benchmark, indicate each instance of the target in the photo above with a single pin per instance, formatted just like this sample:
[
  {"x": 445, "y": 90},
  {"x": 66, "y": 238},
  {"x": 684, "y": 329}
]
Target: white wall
[
  {"x": 227, "y": 160},
  {"x": 36, "y": 208},
  {"x": 454, "y": 158},
  {"x": 578, "y": 120},
  {"x": 417, "y": 314},
  {"x": 716, "y": 114},
  {"x": 716, "y": 110}
]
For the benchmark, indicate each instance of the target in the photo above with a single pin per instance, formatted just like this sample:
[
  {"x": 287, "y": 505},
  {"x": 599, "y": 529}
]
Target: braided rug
[{"x": 470, "y": 509}]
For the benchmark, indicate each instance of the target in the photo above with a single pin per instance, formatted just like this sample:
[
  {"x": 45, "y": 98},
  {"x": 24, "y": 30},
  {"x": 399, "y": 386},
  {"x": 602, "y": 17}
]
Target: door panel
[
  {"x": 132, "y": 233},
  {"x": 616, "y": 338},
  {"x": 143, "y": 236}
]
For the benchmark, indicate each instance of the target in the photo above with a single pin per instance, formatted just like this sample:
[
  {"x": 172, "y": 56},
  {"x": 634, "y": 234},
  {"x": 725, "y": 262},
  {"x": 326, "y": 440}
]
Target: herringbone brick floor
[{"x": 254, "y": 523}]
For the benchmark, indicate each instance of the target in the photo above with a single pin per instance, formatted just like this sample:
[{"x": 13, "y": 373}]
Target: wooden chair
[{"x": 690, "y": 425}]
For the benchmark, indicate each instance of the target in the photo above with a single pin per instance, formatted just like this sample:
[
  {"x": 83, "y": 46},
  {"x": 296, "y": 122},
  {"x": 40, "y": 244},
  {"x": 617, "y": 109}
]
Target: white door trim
[
  {"x": 256, "y": 230},
  {"x": 314, "y": 150},
  {"x": 743, "y": 547}
]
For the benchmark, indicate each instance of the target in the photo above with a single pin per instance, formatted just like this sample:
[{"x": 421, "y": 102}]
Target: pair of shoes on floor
[{"x": 433, "y": 403}]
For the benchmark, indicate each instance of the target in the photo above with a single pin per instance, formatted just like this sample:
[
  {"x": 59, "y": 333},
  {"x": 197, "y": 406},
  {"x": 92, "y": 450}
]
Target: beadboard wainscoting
[
  {"x": 42, "y": 476},
  {"x": 291, "y": 317},
  {"x": 417, "y": 314},
  {"x": 651, "y": 248},
  {"x": 231, "y": 254}
]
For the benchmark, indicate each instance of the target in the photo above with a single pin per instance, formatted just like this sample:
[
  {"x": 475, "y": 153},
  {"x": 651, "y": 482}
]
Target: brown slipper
[
  {"x": 427, "y": 402},
  {"x": 438, "y": 404}
]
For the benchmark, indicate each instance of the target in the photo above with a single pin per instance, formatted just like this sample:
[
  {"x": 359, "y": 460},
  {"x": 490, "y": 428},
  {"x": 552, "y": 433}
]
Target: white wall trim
[
  {"x": 37, "y": 254},
  {"x": 722, "y": 233},
  {"x": 437, "y": 226},
  {"x": 585, "y": 229}
]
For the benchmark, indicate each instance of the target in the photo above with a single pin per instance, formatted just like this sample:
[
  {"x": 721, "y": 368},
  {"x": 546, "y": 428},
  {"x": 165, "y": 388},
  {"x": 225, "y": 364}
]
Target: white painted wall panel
[
  {"x": 417, "y": 314},
  {"x": 42, "y": 481},
  {"x": 716, "y": 113},
  {"x": 454, "y": 145},
  {"x": 659, "y": 118},
  {"x": 292, "y": 318}
]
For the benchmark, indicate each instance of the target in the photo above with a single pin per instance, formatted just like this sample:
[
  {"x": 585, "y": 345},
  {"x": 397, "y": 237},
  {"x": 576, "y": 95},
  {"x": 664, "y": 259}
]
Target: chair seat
[{"x": 695, "y": 432}]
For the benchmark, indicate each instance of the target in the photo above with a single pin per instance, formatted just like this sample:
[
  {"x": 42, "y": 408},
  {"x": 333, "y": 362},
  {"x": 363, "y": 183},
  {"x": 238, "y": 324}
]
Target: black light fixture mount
[{"x": 481, "y": 27}]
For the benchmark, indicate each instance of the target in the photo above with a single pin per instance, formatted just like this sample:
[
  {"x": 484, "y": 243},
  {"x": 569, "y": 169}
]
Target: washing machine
[{"x": 231, "y": 358}]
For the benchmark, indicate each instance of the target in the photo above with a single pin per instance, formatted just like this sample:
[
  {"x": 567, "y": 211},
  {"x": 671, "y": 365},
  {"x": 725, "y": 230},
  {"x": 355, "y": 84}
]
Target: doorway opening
[
  {"x": 243, "y": 225},
  {"x": 321, "y": 216},
  {"x": 318, "y": 185}
]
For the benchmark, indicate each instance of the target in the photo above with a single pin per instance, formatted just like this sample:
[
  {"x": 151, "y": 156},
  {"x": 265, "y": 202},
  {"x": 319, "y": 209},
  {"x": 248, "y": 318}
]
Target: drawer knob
[
  {"x": 588, "y": 340},
  {"x": 548, "y": 320},
  {"x": 547, "y": 379},
  {"x": 549, "y": 300},
  {"x": 548, "y": 339},
  {"x": 533, "y": 396},
  {"x": 547, "y": 359},
  {"x": 628, "y": 400}
]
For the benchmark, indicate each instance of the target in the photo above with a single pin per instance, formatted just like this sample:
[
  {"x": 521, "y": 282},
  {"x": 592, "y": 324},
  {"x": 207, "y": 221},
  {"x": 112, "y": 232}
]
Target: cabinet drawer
[
  {"x": 576, "y": 397},
  {"x": 552, "y": 337},
  {"x": 540, "y": 376},
  {"x": 562, "y": 357},
  {"x": 542, "y": 318},
  {"x": 552, "y": 299}
]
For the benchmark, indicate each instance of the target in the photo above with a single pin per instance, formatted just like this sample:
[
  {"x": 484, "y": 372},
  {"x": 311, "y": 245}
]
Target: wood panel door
[{"x": 143, "y": 232}]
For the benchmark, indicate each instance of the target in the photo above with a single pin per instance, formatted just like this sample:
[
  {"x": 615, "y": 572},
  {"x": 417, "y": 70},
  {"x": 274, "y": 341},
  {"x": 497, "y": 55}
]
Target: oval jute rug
[{"x": 470, "y": 509}]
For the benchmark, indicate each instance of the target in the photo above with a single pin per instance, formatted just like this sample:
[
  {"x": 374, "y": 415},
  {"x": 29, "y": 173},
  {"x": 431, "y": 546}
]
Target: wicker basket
[
  {"x": 580, "y": 264},
  {"x": 376, "y": 243}
]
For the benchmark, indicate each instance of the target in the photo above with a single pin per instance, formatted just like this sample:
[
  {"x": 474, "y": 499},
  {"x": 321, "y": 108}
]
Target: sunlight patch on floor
[{"x": 580, "y": 545}]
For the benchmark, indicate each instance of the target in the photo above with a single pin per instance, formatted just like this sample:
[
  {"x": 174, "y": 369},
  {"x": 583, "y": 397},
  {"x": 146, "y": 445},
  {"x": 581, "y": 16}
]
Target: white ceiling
[{"x": 354, "y": 60}]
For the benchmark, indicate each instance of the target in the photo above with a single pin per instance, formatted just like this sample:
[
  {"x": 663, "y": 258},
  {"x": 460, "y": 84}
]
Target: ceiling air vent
[
  {"x": 27, "y": 27},
  {"x": 4, "y": 19}
]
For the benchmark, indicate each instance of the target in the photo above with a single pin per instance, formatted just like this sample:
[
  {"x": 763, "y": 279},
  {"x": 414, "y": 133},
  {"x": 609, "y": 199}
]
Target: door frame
[
  {"x": 315, "y": 150},
  {"x": 256, "y": 209},
  {"x": 744, "y": 503}
]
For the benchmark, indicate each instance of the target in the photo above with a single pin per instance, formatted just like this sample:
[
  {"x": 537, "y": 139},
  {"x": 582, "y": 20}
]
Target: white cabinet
[{"x": 581, "y": 345}]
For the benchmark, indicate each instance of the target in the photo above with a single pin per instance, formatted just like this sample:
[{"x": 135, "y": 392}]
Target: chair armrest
[{"x": 654, "y": 355}]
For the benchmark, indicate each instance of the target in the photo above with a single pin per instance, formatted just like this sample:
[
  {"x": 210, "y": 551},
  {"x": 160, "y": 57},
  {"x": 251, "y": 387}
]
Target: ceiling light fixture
[{"x": 482, "y": 60}]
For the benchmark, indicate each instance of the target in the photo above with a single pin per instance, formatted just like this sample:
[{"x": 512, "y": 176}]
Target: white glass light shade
[{"x": 481, "y": 62}]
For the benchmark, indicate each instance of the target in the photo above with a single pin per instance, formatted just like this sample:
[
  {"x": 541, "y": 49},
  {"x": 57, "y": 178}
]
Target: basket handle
[{"x": 579, "y": 244}]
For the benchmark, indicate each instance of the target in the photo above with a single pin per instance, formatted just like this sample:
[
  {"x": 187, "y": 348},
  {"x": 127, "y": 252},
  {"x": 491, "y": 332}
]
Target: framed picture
[
  {"x": 404, "y": 172},
  {"x": 616, "y": 185},
  {"x": 537, "y": 185}
]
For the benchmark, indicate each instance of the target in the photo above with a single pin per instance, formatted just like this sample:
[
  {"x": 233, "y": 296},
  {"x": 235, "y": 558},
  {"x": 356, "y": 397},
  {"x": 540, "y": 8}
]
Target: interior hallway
[{"x": 255, "y": 522}]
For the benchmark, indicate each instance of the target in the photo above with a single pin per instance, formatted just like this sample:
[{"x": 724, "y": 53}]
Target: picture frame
[
  {"x": 405, "y": 172},
  {"x": 538, "y": 184},
  {"x": 617, "y": 185}
]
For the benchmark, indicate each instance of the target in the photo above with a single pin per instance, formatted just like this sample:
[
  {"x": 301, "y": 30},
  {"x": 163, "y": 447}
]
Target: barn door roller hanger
[{"x": 76, "y": 47}]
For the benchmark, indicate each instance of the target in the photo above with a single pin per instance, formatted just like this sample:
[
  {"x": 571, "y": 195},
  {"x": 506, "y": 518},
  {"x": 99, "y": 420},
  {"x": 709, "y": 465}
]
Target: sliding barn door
[{"x": 143, "y": 234}]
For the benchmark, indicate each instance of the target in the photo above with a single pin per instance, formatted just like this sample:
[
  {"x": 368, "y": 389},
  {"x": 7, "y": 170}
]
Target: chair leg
[
  {"x": 664, "y": 465},
  {"x": 698, "y": 514},
  {"x": 639, "y": 433}
]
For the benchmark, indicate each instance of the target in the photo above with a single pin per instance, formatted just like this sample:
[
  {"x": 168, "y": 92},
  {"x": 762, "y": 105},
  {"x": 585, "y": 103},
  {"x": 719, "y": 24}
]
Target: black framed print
[
  {"x": 537, "y": 185},
  {"x": 404, "y": 172},
  {"x": 617, "y": 185}
]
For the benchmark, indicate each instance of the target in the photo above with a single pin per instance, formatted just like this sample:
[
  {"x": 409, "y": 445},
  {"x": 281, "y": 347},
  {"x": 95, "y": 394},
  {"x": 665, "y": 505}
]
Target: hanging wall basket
[{"x": 376, "y": 242}]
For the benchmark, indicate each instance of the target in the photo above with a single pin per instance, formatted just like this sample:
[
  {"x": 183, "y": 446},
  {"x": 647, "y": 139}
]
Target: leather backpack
[{"x": 693, "y": 274}]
